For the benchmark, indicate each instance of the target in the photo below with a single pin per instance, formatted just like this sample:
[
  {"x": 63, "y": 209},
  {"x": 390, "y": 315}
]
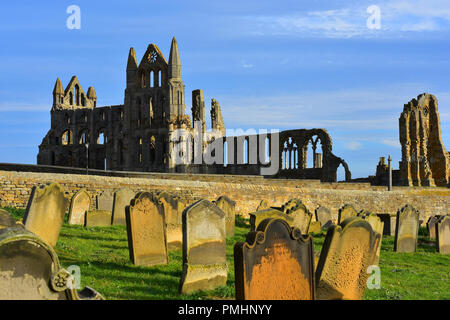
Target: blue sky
[{"x": 271, "y": 64}]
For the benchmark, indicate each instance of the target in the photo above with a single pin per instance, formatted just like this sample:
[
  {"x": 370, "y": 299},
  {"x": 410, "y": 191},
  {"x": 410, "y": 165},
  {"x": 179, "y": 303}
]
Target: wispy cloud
[
  {"x": 398, "y": 18},
  {"x": 354, "y": 145}
]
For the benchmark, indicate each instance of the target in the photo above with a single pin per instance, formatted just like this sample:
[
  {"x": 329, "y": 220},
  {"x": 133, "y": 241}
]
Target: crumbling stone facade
[
  {"x": 143, "y": 134},
  {"x": 129, "y": 137},
  {"x": 425, "y": 162}
]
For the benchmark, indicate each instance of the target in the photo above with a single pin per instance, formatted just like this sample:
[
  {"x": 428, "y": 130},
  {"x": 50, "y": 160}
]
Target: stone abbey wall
[{"x": 247, "y": 191}]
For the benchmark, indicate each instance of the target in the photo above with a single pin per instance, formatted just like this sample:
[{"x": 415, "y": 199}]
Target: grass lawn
[{"x": 103, "y": 258}]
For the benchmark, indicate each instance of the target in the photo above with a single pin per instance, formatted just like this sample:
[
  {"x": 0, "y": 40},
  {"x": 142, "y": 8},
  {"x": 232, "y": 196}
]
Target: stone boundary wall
[{"x": 15, "y": 189}]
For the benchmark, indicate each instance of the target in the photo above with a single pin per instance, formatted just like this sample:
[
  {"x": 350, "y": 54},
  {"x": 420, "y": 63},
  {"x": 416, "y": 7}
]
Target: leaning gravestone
[
  {"x": 349, "y": 249},
  {"x": 406, "y": 230},
  {"x": 323, "y": 215},
  {"x": 6, "y": 221},
  {"x": 443, "y": 235},
  {"x": 301, "y": 215},
  {"x": 122, "y": 198},
  {"x": 315, "y": 227},
  {"x": 228, "y": 206},
  {"x": 347, "y": 211},
  {"x": 275, "y": 263},
  {"x": 79, "y": 204},
  {"x": 173, "y": 210},
  {"x": 257, "y": 217},
  {"x": 97, "y": 218},
  {"x": 431, "y": 226},
  {"x": 146, "y": 231},
  {"x": 105, "y": 201},
  {"x": 378, "y": 227},
  {"x": 30, "y": 270},
  {"x": 204, "y": 248},
  {"x": 45, "y": 212}
]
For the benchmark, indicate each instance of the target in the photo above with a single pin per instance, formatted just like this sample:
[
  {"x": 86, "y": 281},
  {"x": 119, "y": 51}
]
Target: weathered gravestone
[
  {"x": 275, "y": 263},
  {"x": 443, "y": 235},
  {"x": 263, "y": 205},
  {"x": 301, "y": 215},
  {"x": 431, "y": 226},
  {"x": 146, "y": 231},
  {"x": 406, "y": 230},
  {"x": 6, "y": 221},
  {"x": 257, "y": 217},
  {"x": 323, "y": 215},
  {"x": 349, "y": 249},
  {"x": 79, "y": 204},
  {"x": 204, "y": 248},
  {"x": 105, "y": 201},
  {"x": 347, "y": 211},
  {"x": 228, "y": 206},
  {"x": 388, "y": 223},
  {"x": 378, "y": 227},
  {"x": 30, "y": 270},
  {"x": 122, "y": 198},
  {"x": 173, "y": 211},
  {"x": 45, "y": 212},
  {"x": 315, "y": 227},
  {"x": 97, "y": 218}
]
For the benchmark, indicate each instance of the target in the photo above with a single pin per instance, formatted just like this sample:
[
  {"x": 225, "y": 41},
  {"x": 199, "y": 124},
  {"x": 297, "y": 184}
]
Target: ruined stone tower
[
  {"x": 425, "y": 162},
  {"x": 135, "y": 136}
]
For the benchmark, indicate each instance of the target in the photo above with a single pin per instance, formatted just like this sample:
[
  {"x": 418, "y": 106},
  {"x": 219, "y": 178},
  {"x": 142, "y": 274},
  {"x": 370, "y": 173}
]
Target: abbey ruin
[{"x": 142, "y": 135}]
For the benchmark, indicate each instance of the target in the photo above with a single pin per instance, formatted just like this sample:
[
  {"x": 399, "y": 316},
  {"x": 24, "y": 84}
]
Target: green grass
[{"x": 102, "y": 255}]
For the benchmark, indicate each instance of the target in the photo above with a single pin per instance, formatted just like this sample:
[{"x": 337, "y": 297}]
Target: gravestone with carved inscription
[
  {"x": 443, "y": 235},
  {"x": 146, "y": 231},
  {"x": 173, "y": 211},
  {"x": 275, "y": 263},
  {"x": 105, "y": 201},
  {"x": 348, "y": 250},
  {"x": 204, "y": 248},
  {"x": 45, "y": 212},
  {"x": 406, "y": 229},
  {"x": 79, "y": 204}
]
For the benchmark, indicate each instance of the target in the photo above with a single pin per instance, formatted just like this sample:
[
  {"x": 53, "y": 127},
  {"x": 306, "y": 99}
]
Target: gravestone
[
  {"x": 97, "y": 218},
  {"x": 257, "y": 217},
  {"x": 122, "y": 198},
  {"x": 406, "y": 230},
  {"x": 315, "y": 227},
  {"x": 79, "y": 204},
  {"x": 347, "y": 211},
  {"x": 443, "y": 235},
  {"x": 323, "y": 215},
  {"x": 263, "y": 205},
  {"x": 204, "y": 248},
  {"x": 228, "y": 206},
  {"x": 173, "y": 211},
  {"x": 378, "y": 227},
  {"x": 30, "y": 270},
  {"x": 301, "y": 215},
  {"x": 275, "y": 263},
  {"x": 431, "y": 226},
  {"x": 45, "y": 212},
  {"x": 146, "y": 231},
  {"x": 105, "y": 201},
  {"x": 348, "y": 250},
  {"x": 386, "y": 219},
  {"x": 6, "y": 221}
]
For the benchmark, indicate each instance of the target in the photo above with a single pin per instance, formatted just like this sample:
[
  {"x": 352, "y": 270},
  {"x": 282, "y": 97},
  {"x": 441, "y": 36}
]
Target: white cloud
[
  {"x": 391, "y": 142},
  {"x": 354, "y": 145}
]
